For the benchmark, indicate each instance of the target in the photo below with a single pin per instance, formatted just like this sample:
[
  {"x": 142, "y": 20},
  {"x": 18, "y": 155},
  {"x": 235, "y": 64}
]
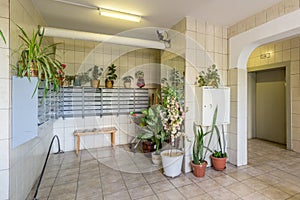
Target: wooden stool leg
[
  {"x": 78, "y": 145},
  {"x": 113, "y": 139}
]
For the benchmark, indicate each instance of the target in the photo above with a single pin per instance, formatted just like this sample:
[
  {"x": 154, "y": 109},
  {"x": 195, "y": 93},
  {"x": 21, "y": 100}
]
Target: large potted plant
[
  {"x": 219, "y": 156},
  {"x": 173, "y": 116},
  {"x": 110, "y": 76},
  {"x": 37, "y": 59},
  {"x": 154, "y": 130},
  {"x": 96, "y": 73},
  {"x": 200, "y": 149}
]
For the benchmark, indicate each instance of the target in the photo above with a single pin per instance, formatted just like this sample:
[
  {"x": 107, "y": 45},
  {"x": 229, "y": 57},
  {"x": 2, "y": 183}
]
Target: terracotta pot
[
  {"x": 95, "y": 83},
  {"x": 199, "y": 170},
  {"x": 148, "y": 146},
  {"x": 109, "y": 84},
  {"x": 218, "y": 163}
]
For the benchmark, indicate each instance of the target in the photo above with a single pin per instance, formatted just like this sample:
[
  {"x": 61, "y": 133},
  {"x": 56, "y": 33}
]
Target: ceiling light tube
[
  {"x": 96, "y": 37},
  {"x": 119, "y": 15}
]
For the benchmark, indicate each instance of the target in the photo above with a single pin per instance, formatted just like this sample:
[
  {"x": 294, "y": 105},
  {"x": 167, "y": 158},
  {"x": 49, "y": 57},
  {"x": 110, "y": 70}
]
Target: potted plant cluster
[
  {"x": 82, "y": 78},
  {"x": 110, "y": 76},
  {"x": 173, "y": 116},
  {"x": 209, "y": 78},
  {"x": 127, "y": 81},
  {"x": 96, "y": 74},
  {"x": 38, "y": 60}
]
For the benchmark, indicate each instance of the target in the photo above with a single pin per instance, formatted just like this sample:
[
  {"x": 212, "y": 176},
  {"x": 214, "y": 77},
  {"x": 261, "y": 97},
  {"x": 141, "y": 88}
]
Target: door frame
[{"x": 251, "y": 104}]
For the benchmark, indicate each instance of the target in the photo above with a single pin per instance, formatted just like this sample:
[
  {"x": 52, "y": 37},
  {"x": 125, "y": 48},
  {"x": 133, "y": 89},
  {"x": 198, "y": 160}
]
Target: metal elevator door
[{"x": 271, "y": 106}]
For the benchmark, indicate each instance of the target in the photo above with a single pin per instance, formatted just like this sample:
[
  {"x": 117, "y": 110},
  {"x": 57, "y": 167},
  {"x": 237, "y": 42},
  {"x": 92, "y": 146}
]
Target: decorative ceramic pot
[
  {"x": 148, "y": 146},
  {"x": 199, "y": 170},
  {"x": 127, "y": 84},
  {"x": 140, "y": 82}
]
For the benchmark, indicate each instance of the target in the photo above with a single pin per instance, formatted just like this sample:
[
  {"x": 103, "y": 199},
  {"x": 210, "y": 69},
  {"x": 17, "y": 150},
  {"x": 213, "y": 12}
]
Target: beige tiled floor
[{"x": 272, "y": 173}]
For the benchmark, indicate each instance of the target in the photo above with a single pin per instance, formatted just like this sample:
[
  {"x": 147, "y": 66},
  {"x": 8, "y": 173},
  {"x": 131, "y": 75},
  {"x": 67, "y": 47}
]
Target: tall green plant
[
  {"x": 37, "y": 56},
  {"x": 221, "y": 153},
  {"x": 199, "y": 154},
  {"x": 111, "y": 74}
]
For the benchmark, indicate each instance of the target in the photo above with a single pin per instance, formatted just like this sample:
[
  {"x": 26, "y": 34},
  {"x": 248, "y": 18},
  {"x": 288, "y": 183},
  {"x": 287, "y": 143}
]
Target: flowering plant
[{"x": 173, "y": 114}]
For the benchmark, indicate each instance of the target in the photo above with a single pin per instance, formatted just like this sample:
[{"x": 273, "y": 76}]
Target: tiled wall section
[
  {"x": 277, "y": 10},
  {"x": 206, "y": 44},
  {"x": 4, "y": 101},
  {"x": 79, "y": 56},
  {"x": 284, "y": 51},
  {"x": 26, "y": 160}
]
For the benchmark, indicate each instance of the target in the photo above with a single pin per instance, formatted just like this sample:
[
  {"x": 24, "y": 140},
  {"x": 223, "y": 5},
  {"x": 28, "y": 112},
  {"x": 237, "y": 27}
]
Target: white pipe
[{"x": 113, "y": 39}]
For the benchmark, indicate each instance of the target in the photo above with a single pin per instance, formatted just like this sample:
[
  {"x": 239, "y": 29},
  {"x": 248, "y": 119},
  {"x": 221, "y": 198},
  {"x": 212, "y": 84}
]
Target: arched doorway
[{"x": 240, "y": 48}]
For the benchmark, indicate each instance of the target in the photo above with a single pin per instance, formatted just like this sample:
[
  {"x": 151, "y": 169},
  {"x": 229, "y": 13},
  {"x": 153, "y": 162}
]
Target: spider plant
[
  {"x": 35, "y": 56},
  {"x": 2, "y": 36}
]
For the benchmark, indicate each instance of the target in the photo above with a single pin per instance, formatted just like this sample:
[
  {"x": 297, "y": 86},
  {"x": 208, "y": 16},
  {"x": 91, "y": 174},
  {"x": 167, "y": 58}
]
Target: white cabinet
[
  {"x": 24, "y": 110},
  {"x": 207, "y": 99}
]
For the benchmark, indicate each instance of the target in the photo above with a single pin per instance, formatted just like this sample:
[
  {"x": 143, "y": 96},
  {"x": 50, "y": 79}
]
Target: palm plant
[{"x": 39, "y": 58}]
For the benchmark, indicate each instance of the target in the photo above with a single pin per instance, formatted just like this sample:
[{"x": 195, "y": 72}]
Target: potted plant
[
  {"x": 154, "y": 130},
  {"x": 219, "y": 156},
  {"x": 140, "y": 79},
  {"x": 37, "y": 59},
  {"x": 173, "y": 116},
  {"x": 127, "y": 81},
  {"x": 82, "y": 78},
  {"x": 96, "y": 73},
  {"x": 110, "y": 76},
  {"x": 209, "y": 78},
  {"x": 199, "y": 163}
]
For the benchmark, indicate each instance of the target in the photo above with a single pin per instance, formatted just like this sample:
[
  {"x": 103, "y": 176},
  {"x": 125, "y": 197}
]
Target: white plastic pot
[
  {"x": 156, "y": 158},
  {"x": 172, "y": 164}
]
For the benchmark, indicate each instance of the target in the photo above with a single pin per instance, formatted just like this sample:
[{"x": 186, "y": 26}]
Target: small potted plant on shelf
[
  {"x": 140, "y": 79},
  {"x": 209, "y": 78},
  {"x": 219, "y": 156},
  {"x": 38, "y": 60},
  {"x": 154, "y": 130},
  {"x": 110, "y": 76},
  {"x": 96, "y": 73},
  {"x": 173, "y": 116},
  {"x": 127, "y": 81},
  {"x": 82, "y": 78}
]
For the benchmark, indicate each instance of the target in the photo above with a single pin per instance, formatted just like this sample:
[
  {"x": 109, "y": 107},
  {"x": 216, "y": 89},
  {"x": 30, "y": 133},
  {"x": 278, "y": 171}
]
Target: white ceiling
[{"x": 157, "y": 13}]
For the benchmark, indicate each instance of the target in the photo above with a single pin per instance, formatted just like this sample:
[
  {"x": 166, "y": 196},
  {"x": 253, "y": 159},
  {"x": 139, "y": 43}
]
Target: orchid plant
[{"x": 173, "y": 114}]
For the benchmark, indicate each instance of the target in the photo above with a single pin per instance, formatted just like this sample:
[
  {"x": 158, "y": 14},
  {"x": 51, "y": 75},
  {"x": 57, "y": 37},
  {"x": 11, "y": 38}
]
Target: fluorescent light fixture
[
  {"x": 77, "y": 4},
  {"x": 119, "y": 15}
]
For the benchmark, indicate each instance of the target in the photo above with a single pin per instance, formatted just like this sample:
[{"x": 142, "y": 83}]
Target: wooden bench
[{"x": 95, "y": 131}]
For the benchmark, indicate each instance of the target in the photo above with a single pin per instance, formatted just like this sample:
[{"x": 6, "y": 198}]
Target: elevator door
[{"x": 270, "y": 108}]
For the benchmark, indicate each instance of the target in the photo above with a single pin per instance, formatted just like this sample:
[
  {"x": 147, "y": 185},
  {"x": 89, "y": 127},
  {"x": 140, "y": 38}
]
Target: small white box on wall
[{"x": 207, "y": 99}]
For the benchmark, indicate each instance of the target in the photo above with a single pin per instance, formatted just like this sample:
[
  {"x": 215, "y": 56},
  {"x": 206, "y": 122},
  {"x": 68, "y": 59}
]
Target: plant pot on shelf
[
  {"x": 172, "y": 162},
  {"x": 148, "y": 146},
  {"x": 199, "y": 170},
  {"x": 140, "y": 82},
  {"x": 127, "y": 84},
  {"x": 95, "y": 83},
  {"x": 218, "y": 164},
  {"x": 156, "y": 159},
  {"x": 109, "y": 84}
]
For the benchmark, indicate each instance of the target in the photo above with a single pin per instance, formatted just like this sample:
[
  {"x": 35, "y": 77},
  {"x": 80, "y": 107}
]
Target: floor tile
[
  {"x": 162, "y": 186},
  {"x": 190, "y": 191},
  {"x": 170, "y": 195},
  {"x": 140, "y": 192}
]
